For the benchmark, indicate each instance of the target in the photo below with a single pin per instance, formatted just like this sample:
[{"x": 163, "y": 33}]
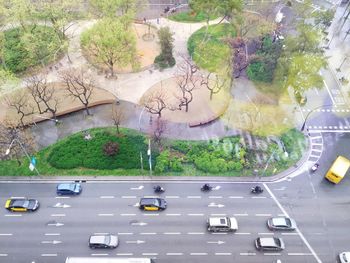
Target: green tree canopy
[
  {"x": 111, "y": 44},
  {"x": 112, "y": 8}
]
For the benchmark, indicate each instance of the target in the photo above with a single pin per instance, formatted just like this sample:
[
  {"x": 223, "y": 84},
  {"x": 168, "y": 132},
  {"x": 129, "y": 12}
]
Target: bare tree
[
  {"x": 43, "y": 94},
  {"x": 117, "y": 115},
  {"x": 20, "y": 103},
  {"x": 155, "y": 102},
  {"x": 213, "y": 85},
  {"x": 186, "y": 80},
  {"x": 80, "y": 85},
  {"x": 17, "y": 140},
  {"x": 158, "y": 129}
]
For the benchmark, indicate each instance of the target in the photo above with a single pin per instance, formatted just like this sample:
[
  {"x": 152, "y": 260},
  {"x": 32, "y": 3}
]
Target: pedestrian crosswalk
[{"x": 316, "y": 146}]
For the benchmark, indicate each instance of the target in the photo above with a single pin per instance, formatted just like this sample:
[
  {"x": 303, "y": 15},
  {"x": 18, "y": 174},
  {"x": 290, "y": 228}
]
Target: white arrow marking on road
[
  {"x": 216, "y": 205},
  {"x": 51, "y": 242},
  {"x": 137, "y": 204},
  {"x": 135, "y": 242},
  {"x": 139, "y": 224},
  {"x": 137, "y": 188},
  {"x": 56, "y": 224},
  {"x": 60, "y": 205},
  {"x": 216, "y": 242},
  {"x": 217, "y": 187}
]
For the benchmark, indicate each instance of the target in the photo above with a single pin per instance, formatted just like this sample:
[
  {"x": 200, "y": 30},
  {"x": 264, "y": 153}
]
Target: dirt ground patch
[
  {"x": 66, "y": 104},
  {"x": 147, "y": 48},
  {"x": 201, "y": 109}
]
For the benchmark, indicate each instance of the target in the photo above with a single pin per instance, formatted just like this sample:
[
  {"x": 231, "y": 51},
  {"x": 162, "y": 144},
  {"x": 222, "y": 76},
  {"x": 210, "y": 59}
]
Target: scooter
[
  {"x": 158, "y": 189},
  {"x": 314, "y": 167},
  {"x": 206, "y": 188},
  {"x": 256, "y": 190}
]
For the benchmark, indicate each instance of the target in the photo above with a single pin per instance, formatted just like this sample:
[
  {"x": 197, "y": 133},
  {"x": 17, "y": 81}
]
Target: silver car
[
  {"x": 269, "y": 243},
  {"x": 103, "y": 241},
  {"x": 281, "y": 223}
]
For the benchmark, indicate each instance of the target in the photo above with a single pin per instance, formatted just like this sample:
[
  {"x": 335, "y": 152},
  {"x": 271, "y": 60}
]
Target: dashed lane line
[
  {"x": 128, "y": 214},
  {"x": 223, "y": 254},
  {"x": 299, "y": 254},
  {"x": 174, "y": 254},
  {"x": 52, "y": 234},
  {"x": 247, "y": 254},
  {"x": 148, "y": 233},
  {"x": 297, "y": 230},
  {"x": 263, "y": 215},
  {"x": 125, "y": 234},
  {"x": 62, "y": 197},
  {"x": 107, "y": 197},
  {"x": 172, "y": 233},
  {"x": 13, "y": 215},
  {"x": 128, "y": 197},
  {"x": 3, "y": 255},
  {"x": 99, "y": 254},
  {"x": 105, "y": 214},
  {"x": 215, "y": 197},
  {"x": 266, "y": 233},
  {"x": 49, "y": 255},
  {"x": 150, "y": 214},
  {"x": 289, "y": 234},
  {"x": 195, "y": 233},
  {"x": 259, "y": 197},
  {"x": 242, "y": 233},
  {"x": 173, "y": 214},
  {"x": 235, "y": 197},
  {"x": 58, "y": 215},
  {"x": 6, "y": 234},
  {"x": 194, "y": 197},
  {"x": 149, "y": 254},
  {"x": 172, "y": 196},
  {"x": 195, "y": 214},
  {"x": 272, "y": 254},
  {"x": 124, "y": 254},
  {"x": 199, "y": 254},
  {"x": 240, "y": 214}
]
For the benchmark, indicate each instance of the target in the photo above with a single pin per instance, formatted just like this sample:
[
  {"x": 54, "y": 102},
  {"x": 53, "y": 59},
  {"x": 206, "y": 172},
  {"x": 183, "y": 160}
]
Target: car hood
[
  {"x": 163, "y": 204},
  {"x": 114, "y": 241},
  {"x": 33, "y": 204},
  {"x": 234, "y": 224}
]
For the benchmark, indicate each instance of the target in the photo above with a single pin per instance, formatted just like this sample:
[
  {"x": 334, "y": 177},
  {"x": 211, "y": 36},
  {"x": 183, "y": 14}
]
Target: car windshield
[{"x": 21, "y": 203}]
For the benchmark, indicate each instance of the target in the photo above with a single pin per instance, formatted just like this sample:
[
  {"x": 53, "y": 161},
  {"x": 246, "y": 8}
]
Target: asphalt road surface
[{"x": 62, "y": 225}]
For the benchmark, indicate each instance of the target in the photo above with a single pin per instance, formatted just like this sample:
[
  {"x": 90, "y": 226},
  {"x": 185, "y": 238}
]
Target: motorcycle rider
[
  {"x": 257, "y": 189},
  {"x": 158, "y": 189},
  {"x": 206, "y": 187}
]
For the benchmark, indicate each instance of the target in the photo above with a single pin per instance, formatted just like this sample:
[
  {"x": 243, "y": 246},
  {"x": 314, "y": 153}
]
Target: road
[{"x": 62, "y": 226}]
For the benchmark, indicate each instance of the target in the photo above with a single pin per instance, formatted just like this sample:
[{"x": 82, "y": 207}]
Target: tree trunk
[{"x": 87, "y": 109}]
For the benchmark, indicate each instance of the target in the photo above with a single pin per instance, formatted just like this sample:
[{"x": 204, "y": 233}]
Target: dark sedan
[
  {"x": 69, "y": 189},
  {"x": 152, "y": 204}
]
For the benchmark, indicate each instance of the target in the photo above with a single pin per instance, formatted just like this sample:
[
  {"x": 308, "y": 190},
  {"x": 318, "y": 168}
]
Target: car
[
  {"x": 344, "y": 257},
  {"x": 103, "y": 241},
  {"x": 222, "y": 224},
  {"x": 21, "y": 205},
  {"x": 281, "y": 223},
  {"x": 152, "y": 204},
  {"x": 68, "y": 189},
  {"x": 269, "y": 243}
]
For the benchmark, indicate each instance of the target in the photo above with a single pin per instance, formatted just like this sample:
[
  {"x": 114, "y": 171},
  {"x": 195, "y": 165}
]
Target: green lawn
[
  {"x": 224, "y": 157},
  {"x": 208, "y": 46},
  {"x": 190, "y": 17}
]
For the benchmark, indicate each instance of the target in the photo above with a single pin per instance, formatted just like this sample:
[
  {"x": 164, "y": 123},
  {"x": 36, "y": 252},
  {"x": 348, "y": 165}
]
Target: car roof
[
  {"x": 150, "y": 201},
  {"x": 63, "y": 186},
  {"x": 278, "y": 221},
  {"x": 218, "y": 221},
  {"x": 268, "y": 241},
  {"x": 98, "y": 239}
]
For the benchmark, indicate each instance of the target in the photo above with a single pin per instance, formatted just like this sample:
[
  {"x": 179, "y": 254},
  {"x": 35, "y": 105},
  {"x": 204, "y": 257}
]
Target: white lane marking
[
  {"x": 240, "y": 214},
  {"x": 268, "y": 233},
  {"x": 107, "y": 197},
  {"x": 100, "y": 233},
  {"x": 258, "y": 197},
  {"x": 13, "y": 215},
  {"x": 199, "y": 254},
  {"x": 216, "y": 205},
  {"x": 216, "y": 242},
  {"x": 128, "y": 196},
  {"x": 99, "y": 254},
  {"x": 150, "y": 233},
  {"x": 219, "y": 233},
  {"x": 297, "y": 230},
  {"x": 52, "y": 234},
  {"x": 242, "y": 233},
  {"x": 3, "y": 255},
  {"x": 150, "y": 214},
  {"x": 195, "y": 214},
  {"x": 247, "y": 254},
  {"x": 299, "y": 254},
  {"x": 262, "y": 214},
  {"x": 58, "y": 214},
  {"x": 124, "y": 254},
  {"x": 174, "y": 254},
  {"x": 172, "y": 196},
  {"x": 49, "y": 255},
  {"x": 313, "y": 188},
  {"x": 195, "y": 233},
  {"x": 125, "y": 233},
  {"x": 105, "y": 214},
  {"x": 139, "y": 224},
  {"x": 149, "y": 254},
  {"x": 223, "y": 254},
  {"x": 215, "y": 197},
  {"x": 194, "y": 196},
  {"x": 173, "y": 214},
  {"x": 55, "y": 224},
  {"x": 137, "y": 188},
  {"x": 62, "y": 197},
  {"x": 9, "y": 234},
  {"x": 272, "y": 254},
  {"x": 135, "y": 242},
  {"x": 128, "y": 214},
  {"x": 289, "y": 234},
  {"x": 172, "y": 233},
  {"x": 54, "y": 242},
  {"x": 217, "y": 214},
  {"x": 235, "y": 197},
  {"x": 15, "y": 197}
]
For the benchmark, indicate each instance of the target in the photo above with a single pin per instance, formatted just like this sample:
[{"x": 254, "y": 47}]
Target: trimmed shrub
[{"x": 110, "y": 148}]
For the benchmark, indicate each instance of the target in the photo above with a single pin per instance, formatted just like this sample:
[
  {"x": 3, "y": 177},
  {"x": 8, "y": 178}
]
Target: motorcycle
[
  {"x": 314, "y": 167},
  {"x": 158, "y": 189},
  {"x": 206, "y": 188},
  {"x": 257, "y": 190}
]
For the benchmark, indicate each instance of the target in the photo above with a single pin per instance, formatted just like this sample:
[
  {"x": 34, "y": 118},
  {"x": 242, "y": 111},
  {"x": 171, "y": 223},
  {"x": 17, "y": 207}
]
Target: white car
[
  {"x": 222, "y": 224},
  {"x": 344, "y": 257}
]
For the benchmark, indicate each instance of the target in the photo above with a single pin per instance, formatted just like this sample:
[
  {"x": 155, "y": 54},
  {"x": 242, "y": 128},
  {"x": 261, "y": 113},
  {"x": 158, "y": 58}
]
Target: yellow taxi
[
  {"x": 152, "y": 204},
  {"x": 21, "y": 204}
]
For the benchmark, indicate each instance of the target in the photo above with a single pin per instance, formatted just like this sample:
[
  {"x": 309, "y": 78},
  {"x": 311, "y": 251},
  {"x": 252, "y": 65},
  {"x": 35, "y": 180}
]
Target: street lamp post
[{"x": 8, "y": 150}]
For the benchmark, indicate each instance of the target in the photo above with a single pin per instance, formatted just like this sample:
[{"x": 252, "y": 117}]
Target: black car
[
  {"x": 69, "y": 189},
  {"x": 152, "y": 204}
]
